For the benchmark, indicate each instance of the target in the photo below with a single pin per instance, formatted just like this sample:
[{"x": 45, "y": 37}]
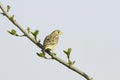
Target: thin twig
[{"x": 40, "y": 45}]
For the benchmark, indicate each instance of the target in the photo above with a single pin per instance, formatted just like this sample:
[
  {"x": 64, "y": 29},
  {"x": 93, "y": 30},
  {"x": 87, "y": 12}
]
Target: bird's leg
[{"x": 50, "y": 52}]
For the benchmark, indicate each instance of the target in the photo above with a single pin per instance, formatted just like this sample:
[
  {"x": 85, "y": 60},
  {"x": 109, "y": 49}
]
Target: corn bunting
[{"x": 51, "y": 41}]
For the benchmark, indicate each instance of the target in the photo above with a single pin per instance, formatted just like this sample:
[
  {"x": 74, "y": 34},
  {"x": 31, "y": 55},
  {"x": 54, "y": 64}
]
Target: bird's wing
[{"x": 50, "y": 40}]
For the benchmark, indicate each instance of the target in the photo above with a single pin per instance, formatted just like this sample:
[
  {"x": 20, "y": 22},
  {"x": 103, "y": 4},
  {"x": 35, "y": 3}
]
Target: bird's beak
[{"x": 61, "y": 33}]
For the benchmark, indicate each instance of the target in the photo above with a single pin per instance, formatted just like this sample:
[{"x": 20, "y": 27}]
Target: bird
[{"x": 51, "y": 40}]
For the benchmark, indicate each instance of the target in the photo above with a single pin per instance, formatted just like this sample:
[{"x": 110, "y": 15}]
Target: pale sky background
[{"x": 91, "y": 28}]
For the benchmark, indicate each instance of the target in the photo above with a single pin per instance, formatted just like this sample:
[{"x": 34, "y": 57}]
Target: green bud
[
  {"x": 8, "y": 8},
  {"x": 28, "y": 29},
  {"x": 68, "y": 52},
  {"x": 41, "y": 55},
  {"x": 12, "y": 18},
  {"x": 13, "y": 32},
  {"x": 36, "y": 32}
]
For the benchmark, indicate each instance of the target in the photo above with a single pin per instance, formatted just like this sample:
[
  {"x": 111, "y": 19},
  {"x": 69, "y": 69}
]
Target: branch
[{"x": 11, "y": 18}]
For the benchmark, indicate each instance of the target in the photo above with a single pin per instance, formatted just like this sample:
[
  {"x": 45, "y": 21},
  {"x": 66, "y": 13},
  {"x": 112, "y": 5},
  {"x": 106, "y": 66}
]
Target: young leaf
[
  {"x": 41, "y": 55},
  {"x": 28, "y": 29},
  {"x": 68, "y": 52},
  {"x": 12, "y": 18},
  {"x": 36, "y": 32},
  {"x": 65, "y": 52},
  {"x": 8, "y": 8},
  {"x": 13, "y": 32}
]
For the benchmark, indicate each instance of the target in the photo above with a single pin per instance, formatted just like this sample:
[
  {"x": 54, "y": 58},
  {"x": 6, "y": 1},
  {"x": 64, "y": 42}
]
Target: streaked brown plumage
[{"x": 51, "y": 41}]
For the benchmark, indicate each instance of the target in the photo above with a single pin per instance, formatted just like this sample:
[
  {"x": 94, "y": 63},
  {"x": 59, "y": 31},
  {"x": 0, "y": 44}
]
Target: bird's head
[{"x": 56, "y": 32}]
